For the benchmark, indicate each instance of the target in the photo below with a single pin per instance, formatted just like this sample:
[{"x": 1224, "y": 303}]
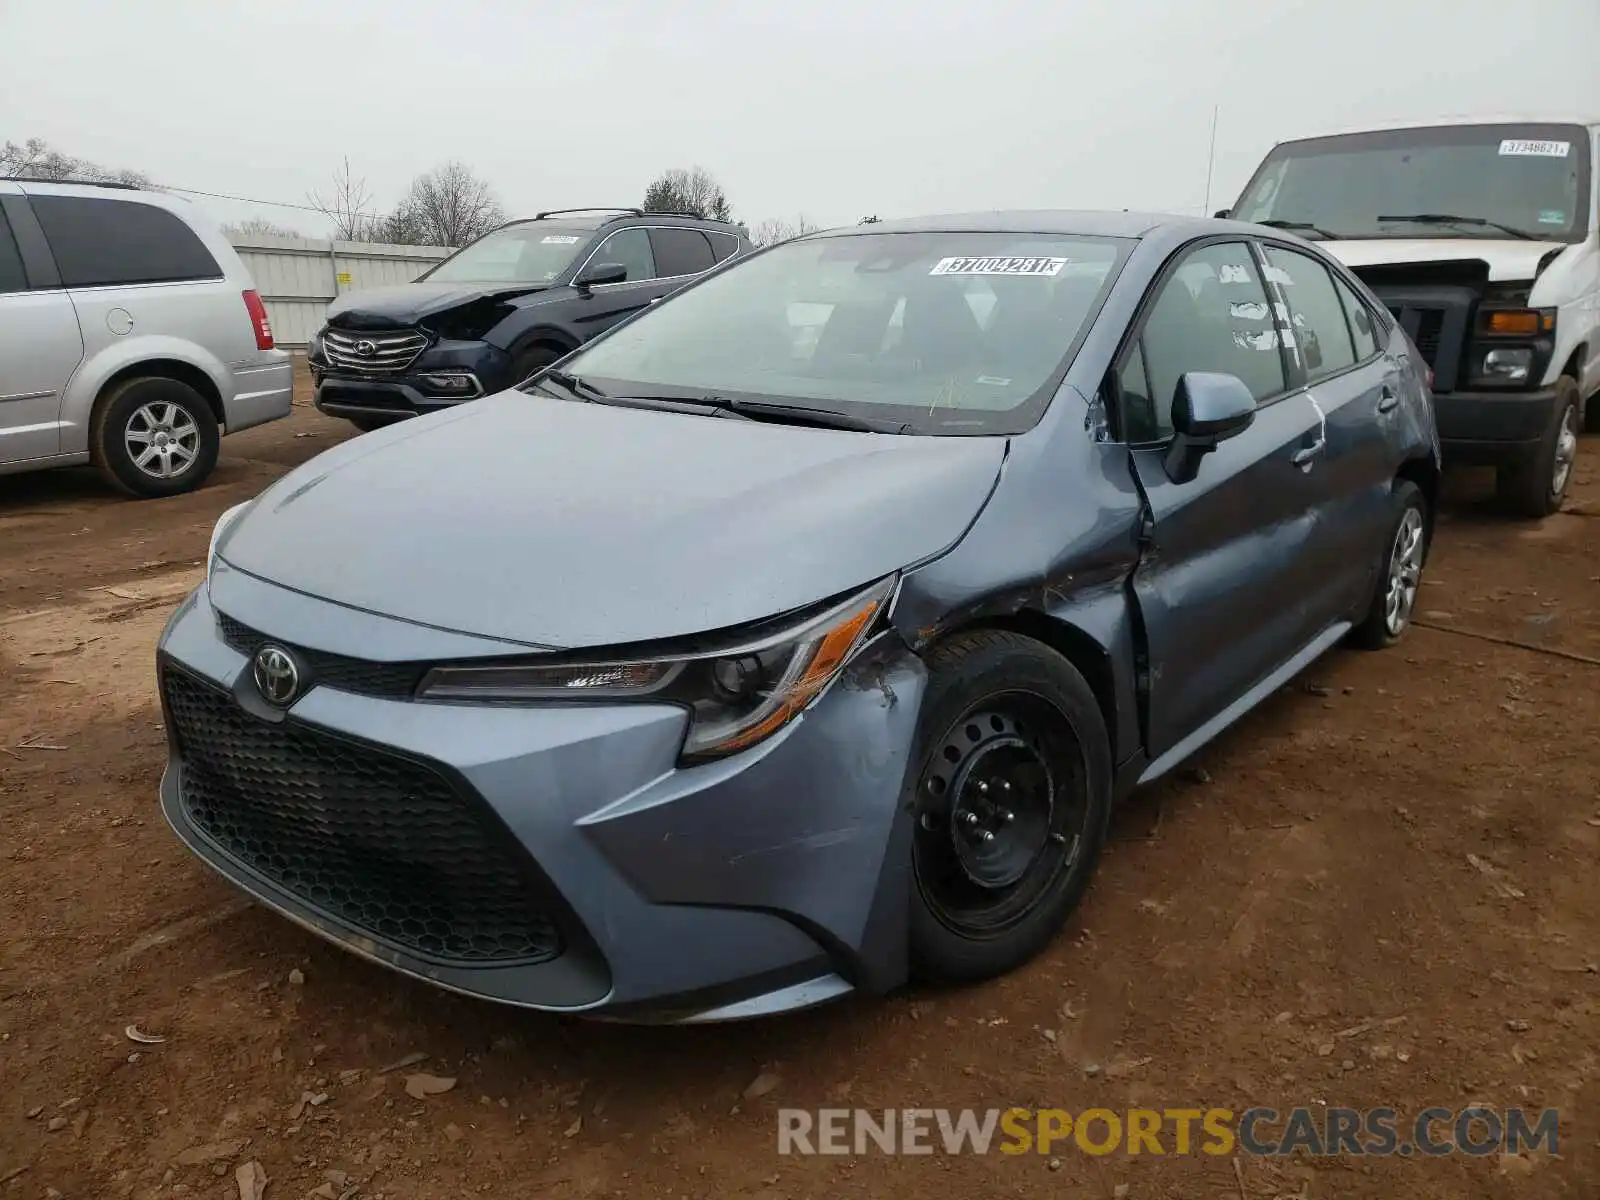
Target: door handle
[
  {"x": 1388, "y": 401},
  {"x": 1307, "y": 455}
]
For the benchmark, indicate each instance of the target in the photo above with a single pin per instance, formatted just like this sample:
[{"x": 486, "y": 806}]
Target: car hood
[
  {"x": 405, "y": 304},
  {"x": 1506, "y": 259},
  {"x": 564, "y": 524}
]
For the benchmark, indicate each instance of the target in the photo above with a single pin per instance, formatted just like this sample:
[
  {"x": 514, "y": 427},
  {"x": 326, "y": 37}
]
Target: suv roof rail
[
  {"x": 105, "y": 183},
  {"x": 558, "y": 212}
]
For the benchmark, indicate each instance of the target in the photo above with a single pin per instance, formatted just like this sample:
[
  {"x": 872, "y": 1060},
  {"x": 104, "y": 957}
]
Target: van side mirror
[
  {"x": 1207, "y": 410},
  {"x": 597, "y": 273}
]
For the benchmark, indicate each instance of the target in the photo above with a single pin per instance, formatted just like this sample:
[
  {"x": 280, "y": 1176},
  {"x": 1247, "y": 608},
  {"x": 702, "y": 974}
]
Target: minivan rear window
[
  {"x": 12, "y": 278},
  {"x": 100, "y": 242}
]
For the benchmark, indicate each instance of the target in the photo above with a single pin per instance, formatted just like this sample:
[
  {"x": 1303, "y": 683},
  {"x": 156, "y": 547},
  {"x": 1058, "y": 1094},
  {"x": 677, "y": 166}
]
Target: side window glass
[
  {"x": 1138, "y": 413},
  {"x": 1211, "y": 315},
  {"x": 723, "y": 245},
  {"x": 1366, "y": 337},
  {"x": 1321, "y": 337},
  {"x": 12, "y": 278},
  {"x": 631, "y": 248},
  {"x": 107, "y": 242},
  {"x": 680, "y": 252}
]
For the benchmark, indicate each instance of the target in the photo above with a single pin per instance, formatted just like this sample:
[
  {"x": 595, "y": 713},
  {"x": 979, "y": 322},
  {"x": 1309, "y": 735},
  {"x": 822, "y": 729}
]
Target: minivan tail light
[{"x": 258, "y": 318}]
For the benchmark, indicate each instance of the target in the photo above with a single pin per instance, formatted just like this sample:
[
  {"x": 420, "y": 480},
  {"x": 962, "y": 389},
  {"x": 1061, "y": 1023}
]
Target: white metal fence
[{"x": 297, "y": 277}]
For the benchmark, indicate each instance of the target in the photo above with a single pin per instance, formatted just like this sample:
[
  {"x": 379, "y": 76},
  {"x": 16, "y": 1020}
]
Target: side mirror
[
  {"x": 605, "y": 272},
  {"x": 1207, "y": 410},
  {"x": 1221, "y": 214}
]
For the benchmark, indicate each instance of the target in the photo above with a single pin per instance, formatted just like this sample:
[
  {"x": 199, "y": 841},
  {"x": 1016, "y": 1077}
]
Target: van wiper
[
  {"x": 1452, "y": 219},
  {"x": 1277, "y": 223},
  {"x": 794, "y": 414}
]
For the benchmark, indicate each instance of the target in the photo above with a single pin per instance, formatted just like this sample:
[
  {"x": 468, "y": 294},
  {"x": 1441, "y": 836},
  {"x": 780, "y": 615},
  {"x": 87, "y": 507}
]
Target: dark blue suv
[{"x": 502, "y": 307}]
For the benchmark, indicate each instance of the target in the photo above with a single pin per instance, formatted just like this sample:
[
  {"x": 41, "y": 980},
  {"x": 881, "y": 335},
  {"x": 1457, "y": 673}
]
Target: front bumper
[
  {"x": 772, "y": 880},
  {"x": 1485, "y": 428},
  {"x": 343, "y": 393}
]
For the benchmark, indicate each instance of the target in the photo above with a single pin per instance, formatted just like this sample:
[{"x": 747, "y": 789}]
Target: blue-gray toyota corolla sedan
[{"x": 797, "y": 636}]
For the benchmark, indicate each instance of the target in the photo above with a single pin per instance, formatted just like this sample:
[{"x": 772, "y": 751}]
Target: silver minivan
[{"x": 131, "y": 336}]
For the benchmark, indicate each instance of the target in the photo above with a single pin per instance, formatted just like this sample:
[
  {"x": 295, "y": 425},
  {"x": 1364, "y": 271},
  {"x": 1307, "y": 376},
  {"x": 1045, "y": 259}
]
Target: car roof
[
  {"x": 1528, "y": 118},
  {"x": 1083, "y": 222}
]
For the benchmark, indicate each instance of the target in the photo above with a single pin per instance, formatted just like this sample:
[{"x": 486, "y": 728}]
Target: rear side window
[
  {"x": 1320, "y": 332},
  {"x": 1361, "y": 326},
  {"x": 98, "y": 242},
  {"x": 723, "y": 245},
  {"x": 681, "y": 252},
  {"x": 11, "y": 277}
]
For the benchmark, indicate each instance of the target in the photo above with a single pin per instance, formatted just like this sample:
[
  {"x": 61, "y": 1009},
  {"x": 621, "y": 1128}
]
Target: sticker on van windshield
[
  {"x": 1535, "y": 149},
  {"x": 1552, "y": 216},
  {"x": 998, "y": 266},
  {"x": 559, "y": 239}
]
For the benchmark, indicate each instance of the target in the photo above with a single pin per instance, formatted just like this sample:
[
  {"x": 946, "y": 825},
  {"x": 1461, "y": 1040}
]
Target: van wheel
[
  {"x": 1536, "y": 486},
  {"x": 1012, "y": 796},
  {"x": 155, "y": 437},
  {"x": 1394, "y": 596}
]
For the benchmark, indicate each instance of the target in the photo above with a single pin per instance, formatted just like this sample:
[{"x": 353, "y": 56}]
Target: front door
[
  {"x": 40, "y": 348},
  {"x": 1225, "y": 587},
  {"x": 608, "y": 303}
]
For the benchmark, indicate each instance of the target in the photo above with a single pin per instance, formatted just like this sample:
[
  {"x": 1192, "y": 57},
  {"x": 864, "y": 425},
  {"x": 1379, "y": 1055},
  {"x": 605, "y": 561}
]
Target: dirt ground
[{"x": 1380, "y": 889}]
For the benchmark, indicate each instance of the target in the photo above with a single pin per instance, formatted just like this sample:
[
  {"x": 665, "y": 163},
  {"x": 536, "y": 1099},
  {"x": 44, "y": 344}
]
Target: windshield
[
  {"x": 531, "y": 252},
  {"x": 949, "y": 333},
  {"x": 1532, "y": 178}
]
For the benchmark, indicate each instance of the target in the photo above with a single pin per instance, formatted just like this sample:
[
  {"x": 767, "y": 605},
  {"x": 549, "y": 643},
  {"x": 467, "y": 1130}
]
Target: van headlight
[
  {"x": 737, "y": 693},
  {"x": 217, "y": 530}
]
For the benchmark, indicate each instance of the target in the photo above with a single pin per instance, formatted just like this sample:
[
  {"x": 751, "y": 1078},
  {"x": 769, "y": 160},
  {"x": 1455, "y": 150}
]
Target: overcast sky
[{"x": 829, "y": 108}]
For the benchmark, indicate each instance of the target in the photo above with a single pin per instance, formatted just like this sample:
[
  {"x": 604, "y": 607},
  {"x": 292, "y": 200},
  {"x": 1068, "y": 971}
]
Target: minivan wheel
[
  {"x": 155, "y": 437},
  {"x": 1536, "y": 486},
  {"x": 1405, "y": 547},
  {"x": 1012, "y": 797}
]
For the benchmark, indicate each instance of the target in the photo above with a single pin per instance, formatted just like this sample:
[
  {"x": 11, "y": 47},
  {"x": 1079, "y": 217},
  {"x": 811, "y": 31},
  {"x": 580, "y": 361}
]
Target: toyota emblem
[
  {"x": 366, "y": 347},
  {"x": 276, "y": 675}
]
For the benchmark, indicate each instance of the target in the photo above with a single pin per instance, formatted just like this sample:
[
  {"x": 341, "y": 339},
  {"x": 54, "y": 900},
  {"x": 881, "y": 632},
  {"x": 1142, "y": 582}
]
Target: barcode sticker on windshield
[
  {"x": 998, "y": 266},
  {"x": 1535, "y": 149},
  {"x": 559, "y": 239}
]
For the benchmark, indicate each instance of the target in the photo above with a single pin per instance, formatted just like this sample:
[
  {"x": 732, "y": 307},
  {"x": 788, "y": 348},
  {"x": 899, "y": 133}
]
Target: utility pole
[{"x": 1211, "y": 159}]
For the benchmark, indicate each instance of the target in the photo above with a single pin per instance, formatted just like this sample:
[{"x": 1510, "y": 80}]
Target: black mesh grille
[
  {"x": 392, "y": 681},
  {"x": 378, "y": 842}
]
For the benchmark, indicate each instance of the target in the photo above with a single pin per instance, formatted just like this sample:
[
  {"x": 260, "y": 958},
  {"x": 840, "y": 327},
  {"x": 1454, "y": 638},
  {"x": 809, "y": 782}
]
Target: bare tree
[
  {"x": 37, "y": 159},
  {"x": 777, "y": 229},
  {"x": 348, "y": 206},
  {"x": 693, "y": 191},
  {"x": 258, "y": 227},
  {"x": 448, "y": 206}
]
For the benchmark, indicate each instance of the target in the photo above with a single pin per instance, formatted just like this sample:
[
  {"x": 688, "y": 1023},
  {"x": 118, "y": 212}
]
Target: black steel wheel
[{"x": 1011, "y": 798}]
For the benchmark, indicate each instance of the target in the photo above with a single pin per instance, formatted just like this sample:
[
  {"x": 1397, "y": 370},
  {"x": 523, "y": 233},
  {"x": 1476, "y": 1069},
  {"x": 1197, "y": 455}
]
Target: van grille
[{"x": 377, "y": 353}]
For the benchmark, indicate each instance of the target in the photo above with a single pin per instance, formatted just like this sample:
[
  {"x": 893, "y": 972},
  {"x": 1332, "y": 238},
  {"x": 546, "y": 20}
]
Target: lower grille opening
[{"x": 376, "y": 841}]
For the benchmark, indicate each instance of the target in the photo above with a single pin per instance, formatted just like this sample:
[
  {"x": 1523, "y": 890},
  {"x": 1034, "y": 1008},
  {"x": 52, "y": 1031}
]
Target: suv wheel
[
  {"x": 534, "y": 358},
  {"x": 155, "y": 437},
  {"x": 1536, "y": 486}
]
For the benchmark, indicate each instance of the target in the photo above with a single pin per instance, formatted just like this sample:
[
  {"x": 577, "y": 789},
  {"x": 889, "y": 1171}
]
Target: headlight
[
  {"x": 737, "y": 694},
  {"x": 220, "y": 528},
  {"x": 1507, "y": 366}
]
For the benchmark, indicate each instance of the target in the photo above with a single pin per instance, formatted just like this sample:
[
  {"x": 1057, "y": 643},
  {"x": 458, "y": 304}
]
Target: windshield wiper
[
  {"x": 1452, "y": 219},
  {"x": 795, "y": 414},
  {"x": 1277, "y": 223},
  {"x": 578, "y": 387}
]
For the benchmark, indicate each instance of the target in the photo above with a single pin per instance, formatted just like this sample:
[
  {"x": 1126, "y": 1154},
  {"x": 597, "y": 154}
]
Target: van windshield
[
  {"x": 533, "y": 252},
  {"x": 1533, "y": 179},
  {"x": 943, "y": 332}
]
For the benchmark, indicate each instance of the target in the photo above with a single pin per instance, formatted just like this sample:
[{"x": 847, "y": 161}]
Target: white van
[
  {"x": 1482, "y": 236},
  {"x": 131, "y": 336}
]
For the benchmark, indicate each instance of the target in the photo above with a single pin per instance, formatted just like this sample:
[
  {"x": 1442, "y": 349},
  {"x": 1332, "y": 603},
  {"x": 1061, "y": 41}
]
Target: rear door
[
  {"x": 1224, "y": 586},
  {"x": 1335, "y": 355},
  {"x": 681, "y": 254},
  {"x": 40, "y": 346}
]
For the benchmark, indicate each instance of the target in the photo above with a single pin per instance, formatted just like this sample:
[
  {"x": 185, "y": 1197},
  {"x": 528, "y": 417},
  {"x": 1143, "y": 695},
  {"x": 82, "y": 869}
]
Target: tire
[
  {"x": 1400, "y": 567},
  {"x": 137, "y": 420},
  {"x": 1015, "y": 713},
  {"x": 368, "y": 424},
  {"x": 1536, "y": 486},
  {"x": 535, "y": 358},
  {"x": 1591, "y": 418}
]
